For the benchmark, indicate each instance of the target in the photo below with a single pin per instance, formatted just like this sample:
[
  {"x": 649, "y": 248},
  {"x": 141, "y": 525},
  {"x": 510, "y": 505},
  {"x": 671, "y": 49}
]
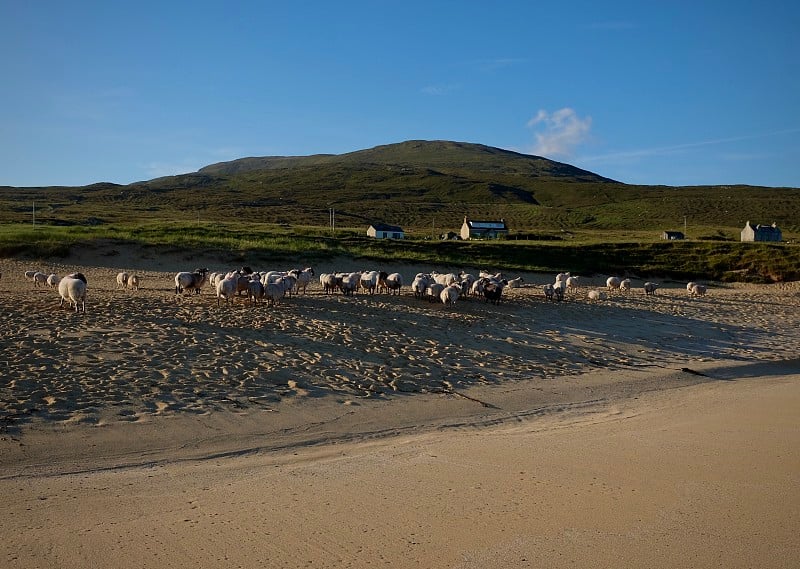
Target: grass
[{"x": 581, "y": 253}]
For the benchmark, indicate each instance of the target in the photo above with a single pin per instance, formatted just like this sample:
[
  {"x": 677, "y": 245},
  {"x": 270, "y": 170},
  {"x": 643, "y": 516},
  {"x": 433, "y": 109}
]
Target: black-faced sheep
[{"x": 193, "y": 281}]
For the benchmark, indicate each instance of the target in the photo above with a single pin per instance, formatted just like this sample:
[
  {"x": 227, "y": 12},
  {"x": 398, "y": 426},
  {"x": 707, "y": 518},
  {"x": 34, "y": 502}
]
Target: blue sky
[{"x": 674, "y": 93}]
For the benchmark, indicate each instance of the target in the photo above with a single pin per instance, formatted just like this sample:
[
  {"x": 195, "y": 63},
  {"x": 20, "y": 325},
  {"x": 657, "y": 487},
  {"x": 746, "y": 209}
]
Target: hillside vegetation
[{"x": 560, "y": 216}]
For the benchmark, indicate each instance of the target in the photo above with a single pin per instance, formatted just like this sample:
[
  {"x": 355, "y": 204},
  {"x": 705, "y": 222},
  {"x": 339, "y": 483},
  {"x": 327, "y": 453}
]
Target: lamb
[
  {"x": 72, "y": 288},
  {"x": 698, "y": 290},
  {"x": 185, "y": 281},
  {"x": 122, "y": 279},
  {"x": 596, "y": 295},
  {"x": 133, "y": 282},
  {"x": 690, "y": 286},
  {"x": 516, "y": 283},
  {"x": 612, "y": 283},
  {"x": 29, "y": 275},
  {"x": 549, "y": 291},
  {"x": 625, "y": 285},
  {"x": 53, "y": 280},
  {"x": 650, "y": 288}
]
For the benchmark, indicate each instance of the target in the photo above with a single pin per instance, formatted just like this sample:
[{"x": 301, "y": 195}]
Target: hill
[{"x": 425, "y": 186}]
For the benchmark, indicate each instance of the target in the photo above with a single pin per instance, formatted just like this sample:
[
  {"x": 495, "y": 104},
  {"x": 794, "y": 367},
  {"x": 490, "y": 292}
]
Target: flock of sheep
[{"x": 273, "y": 286}]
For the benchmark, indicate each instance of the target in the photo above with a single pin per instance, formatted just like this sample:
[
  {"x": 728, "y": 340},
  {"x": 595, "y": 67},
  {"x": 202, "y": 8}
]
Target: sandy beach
[{"x": 163, "y": 431}]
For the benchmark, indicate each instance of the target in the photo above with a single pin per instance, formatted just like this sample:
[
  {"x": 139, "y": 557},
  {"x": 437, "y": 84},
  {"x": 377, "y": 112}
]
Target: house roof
[
  {"x": 386, "y": 227},
  {"x": 475, "y": 224}
]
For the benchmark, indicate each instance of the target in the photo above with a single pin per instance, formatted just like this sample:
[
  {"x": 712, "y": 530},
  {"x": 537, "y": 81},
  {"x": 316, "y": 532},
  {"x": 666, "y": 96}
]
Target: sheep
[
  {"x": 39, "y": 279},
  {"x": 572, "y": 284},
  {"x": 434, "y": 291},
  {"x": 698, "y": 290},
  {"x": 122, "y": 279},
  {"x": 255, "y": 291},
  {"x": 625, "y": 285},
  {"x": 493, "y": 290},
  {"x": 549, "y": 291},
  {"x": 274, "y": 293},
  {"x": 393, "y": 283},
  {"x": 185, "y": 281},
  {"x": 29, "y": 275},
  {"x": 445, "y": 279},
  {"x": 227, "y": 288},
  {"x": 72, "y": 288},
  {"x": 690, "y": 286},
  {"x": 350, "y": 283},
  {"x": 133, "y": 282},
  {"x": 450, "y": 293},
  {"x": 650, "y": 288},
  {"x": 516, "y": 283},
  {"x": 369, "y": 281},
  {"x": 53, "y": 280},
  {"x": 419, "y": 286},
  {"x": 612, "y": 283},
  {"x": 303, "y": 278},
  {"x": 560, "y": 288},
  {"x": 329, "y": 282},
  {"x": 596, "y": 295}
]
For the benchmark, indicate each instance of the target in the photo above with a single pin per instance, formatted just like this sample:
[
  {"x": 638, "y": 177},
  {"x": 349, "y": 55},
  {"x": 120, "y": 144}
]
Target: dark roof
[
  {"x": 385, "y": 227},
  {"x": 476, "y": 224}
]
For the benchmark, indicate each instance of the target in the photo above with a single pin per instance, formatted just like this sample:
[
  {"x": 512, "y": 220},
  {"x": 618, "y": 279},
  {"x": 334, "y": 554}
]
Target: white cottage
[{"x": 384, "y": 231}]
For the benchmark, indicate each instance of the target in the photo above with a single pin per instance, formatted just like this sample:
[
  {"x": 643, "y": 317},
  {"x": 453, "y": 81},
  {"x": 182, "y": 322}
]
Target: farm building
[
  {"x": 473, "y": 229},
  {"x": 761, "y": 233},
  {"x": 673, "y": 235},
  {"x": 384, "y": 231}
]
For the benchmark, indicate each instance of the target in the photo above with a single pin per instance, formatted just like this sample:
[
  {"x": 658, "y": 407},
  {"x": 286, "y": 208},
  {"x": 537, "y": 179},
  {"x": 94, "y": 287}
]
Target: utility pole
[
  {"x": 34, "y": 216},
  {"x": 684, "y": 226}
]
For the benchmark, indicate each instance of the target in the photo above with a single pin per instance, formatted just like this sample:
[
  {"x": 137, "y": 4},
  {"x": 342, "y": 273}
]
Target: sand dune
[{"x": 378, "y": 390}]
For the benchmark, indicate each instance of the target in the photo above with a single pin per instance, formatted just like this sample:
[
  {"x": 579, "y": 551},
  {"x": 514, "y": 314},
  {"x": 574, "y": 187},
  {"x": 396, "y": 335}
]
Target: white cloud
[{"x": 559, "y": 132}]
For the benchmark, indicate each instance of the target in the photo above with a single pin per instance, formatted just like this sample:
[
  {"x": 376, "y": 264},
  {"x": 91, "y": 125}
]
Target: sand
[{"x": 164, "y": 431}]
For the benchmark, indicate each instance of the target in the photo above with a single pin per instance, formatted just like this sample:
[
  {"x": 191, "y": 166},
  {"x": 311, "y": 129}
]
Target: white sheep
[
  {"x": 434, "y": 291},
  {"x": 186, "y": 281},
  {"x": 29, "y": 275},
  {"x": 227, "y": 288},
  {"x": 393, "y": 283},
  {"x": 625, "y": 285},
  {"x": 122, "y": 279},
  {"x": 450, "y": 293},
  {"x": 445, "y": 279},
  {"x": 274, "y": 293},
  {"x": 53, "y": 280},
  {"x": 39, "y": 279},
  {"x": 329, "y": 282},
  {"x": 698, "y": 289},
  {"x": 689, "y": 287},
  {"x": 572, "y": 284},
  {"x": 255, "y": 291},
  {"x": 350, "y": 283},
  {"x": 549, "y": 291},
  {"x": 420, "y": 284},
  {"x": 650, "y": 288},
  {"x": 72, "y": 288},
  {"x": 133, "y": 282},
  {"x": 369, "y": 281},
  {"x": 516, "y": 283},
  {"x": 612, "y": 283},
  {"x": 597, "y": 295},
  {"x": 303, "y": 278}
]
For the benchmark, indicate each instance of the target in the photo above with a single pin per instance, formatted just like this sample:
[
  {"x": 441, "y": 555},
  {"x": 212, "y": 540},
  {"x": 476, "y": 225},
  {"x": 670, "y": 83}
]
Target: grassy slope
[{"x": 428, "y": 188}]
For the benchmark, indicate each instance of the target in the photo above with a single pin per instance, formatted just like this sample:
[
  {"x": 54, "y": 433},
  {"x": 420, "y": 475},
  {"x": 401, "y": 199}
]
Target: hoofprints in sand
[{"x": 356, "y": 431}]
